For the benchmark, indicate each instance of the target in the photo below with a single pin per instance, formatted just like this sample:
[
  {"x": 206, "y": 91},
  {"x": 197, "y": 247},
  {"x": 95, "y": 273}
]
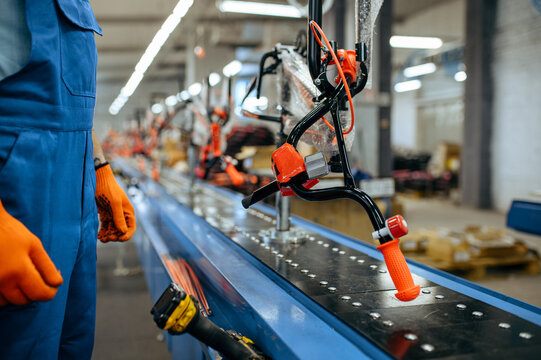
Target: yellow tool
[{"x": 178, "y": 313}]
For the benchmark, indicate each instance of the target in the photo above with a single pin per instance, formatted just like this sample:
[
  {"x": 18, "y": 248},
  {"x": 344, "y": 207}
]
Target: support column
[
  {"x": 384, "y": 66},
  {"x": 475, "y": 177},
  {"x": 339, "y": 22}
]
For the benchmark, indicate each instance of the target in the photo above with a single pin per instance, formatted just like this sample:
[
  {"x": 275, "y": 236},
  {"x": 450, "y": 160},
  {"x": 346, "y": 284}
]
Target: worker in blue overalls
[{"x": 52, "y": 176}]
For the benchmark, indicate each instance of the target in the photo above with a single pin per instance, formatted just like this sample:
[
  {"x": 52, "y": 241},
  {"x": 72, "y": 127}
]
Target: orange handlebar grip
[
  {"x": 236, "y": 177},
  {"x": 399, "y": 270}
]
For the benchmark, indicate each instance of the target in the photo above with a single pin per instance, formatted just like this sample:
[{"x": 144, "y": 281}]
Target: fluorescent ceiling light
[
  {"x": 183, "y": 95},
  {"x": 461, "y": 76},
  {"x": 194, "y": 89},
  {"x": 214, "y": 79},
  {"x": 407, "y": 86},
  {"x": 171, "y": 100},
  {"x": 419, "y": 70},
  {"x": 232, "y": 68},
  {"x": 253, "y": 102},
  {"x": 415, "y": 42},
  {"x": 152, "y": 50},
  {"x": 157, "y": 108},
  {"x": 258, "y": 8}
]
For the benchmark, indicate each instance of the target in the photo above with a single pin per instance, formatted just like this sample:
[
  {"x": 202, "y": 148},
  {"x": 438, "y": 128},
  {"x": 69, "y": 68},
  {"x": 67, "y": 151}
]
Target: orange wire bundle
[
  {"x": 314, "y": 26},
  {"x": 184, "y": 276}
]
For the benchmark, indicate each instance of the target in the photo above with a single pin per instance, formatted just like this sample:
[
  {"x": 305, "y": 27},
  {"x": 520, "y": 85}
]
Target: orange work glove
[
  {"x": 26, "y": 272},
  {"x": 115, "y": 210}
]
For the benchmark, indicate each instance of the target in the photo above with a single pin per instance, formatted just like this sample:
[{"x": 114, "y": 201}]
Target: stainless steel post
[{"x": 283, "y": 209}]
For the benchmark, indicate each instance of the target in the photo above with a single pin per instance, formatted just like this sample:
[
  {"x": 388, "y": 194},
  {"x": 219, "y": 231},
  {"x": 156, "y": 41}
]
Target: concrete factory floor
[{"x": 124, "y": 327}]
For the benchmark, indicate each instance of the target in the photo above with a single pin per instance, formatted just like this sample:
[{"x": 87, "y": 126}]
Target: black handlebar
[{"x": 315, "y": 13}]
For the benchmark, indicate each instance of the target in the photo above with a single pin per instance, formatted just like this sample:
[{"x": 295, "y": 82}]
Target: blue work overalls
[{"x": 47, "y": 177}]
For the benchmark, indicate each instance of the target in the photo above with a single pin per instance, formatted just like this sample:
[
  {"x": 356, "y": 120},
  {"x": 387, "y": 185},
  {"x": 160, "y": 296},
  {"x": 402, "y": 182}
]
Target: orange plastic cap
[{"x": 398, "y": 226}]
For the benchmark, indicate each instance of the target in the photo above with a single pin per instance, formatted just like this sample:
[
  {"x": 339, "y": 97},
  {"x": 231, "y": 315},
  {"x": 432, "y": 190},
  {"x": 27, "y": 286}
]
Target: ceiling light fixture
[
  {"x": 171, "y": 101},
  {"x": 415, "y": 42},
  {"x": 157, "y": 108},
  {"x": 259, "y": 103},
  {"x": 152, "y": 50},
  {"x": 214, "y": 79},
  {"x": 195, "y": 88},
  {"x": 419, "y": 70},
  {"x": 259, "y": 8},
  {"x": 407, "y": 86},
  {"x": 232, "y": 69},
  {"x": 460, "y": 76},
  {"x": 183, "y": 95}
]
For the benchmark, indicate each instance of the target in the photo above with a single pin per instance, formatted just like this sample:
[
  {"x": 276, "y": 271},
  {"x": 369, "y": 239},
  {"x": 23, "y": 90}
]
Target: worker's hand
[
  {"x": 26, "y": 272},
  {"x": 115, "y": 210}
]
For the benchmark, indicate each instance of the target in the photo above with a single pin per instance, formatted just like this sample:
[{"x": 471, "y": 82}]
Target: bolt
[
  {"x": 311, "y": 276},
  {"x": 332, "y": 288},
  {"x": 525, "y": 335},
  {"x": 335, "y": 249},
  {"x": 373, "y": 267},
  {"x": 341, "y": 252},
  {"x": 375, "y": 315},
  {"x": 427, "y": 347},
  {"x": 317, "y": 81},
  {"x": 410, "y": 337},
  {"x": 360, "y": 261},
  {"x": 325, "y": 245},
  {"x": 426, "y": 291},
  {"x": 289, "y": 261},
  {"x": 305, "y": 271},
  {"x": 383, "y": 271},
  {"x": 346, "y": 298},
  {"x": 504, "y": 325},
  {"x": 323, "y": 283},
  {"x": 294, "y": 265},
  {"x": 460, "y": 306},
  {"x": 439, "y": 297},
  {"x": 388, "y": 323},
  {"x": 477, "y": 314},
  {"x": 353, "y": 257},
  {"x": 356, "y": 304}
]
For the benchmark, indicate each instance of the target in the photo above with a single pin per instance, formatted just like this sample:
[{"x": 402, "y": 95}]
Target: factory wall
[
  {"x": 516, "y": 133},
  {"x": 445, "y": 21},
  {"x": 404, "y": 120}
]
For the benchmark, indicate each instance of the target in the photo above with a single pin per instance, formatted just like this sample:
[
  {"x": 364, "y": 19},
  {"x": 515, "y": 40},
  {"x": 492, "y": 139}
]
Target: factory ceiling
[{"x": 130, "y": 25}]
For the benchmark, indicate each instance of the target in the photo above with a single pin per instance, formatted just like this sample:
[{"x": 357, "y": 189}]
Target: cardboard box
[
  {"x": 449, "y": 247},
  {"x": 493, "y": 242}
]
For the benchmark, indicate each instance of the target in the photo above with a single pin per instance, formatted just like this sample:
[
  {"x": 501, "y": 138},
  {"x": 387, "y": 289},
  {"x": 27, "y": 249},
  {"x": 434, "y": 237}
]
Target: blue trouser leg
[
  {"x": 78, "y": 329},
  {"x": 48, "y": 184}
]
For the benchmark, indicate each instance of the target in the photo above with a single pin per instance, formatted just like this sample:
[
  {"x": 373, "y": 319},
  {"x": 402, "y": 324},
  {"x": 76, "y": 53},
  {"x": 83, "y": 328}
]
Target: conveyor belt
[{"x": 356, "y": 288}]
